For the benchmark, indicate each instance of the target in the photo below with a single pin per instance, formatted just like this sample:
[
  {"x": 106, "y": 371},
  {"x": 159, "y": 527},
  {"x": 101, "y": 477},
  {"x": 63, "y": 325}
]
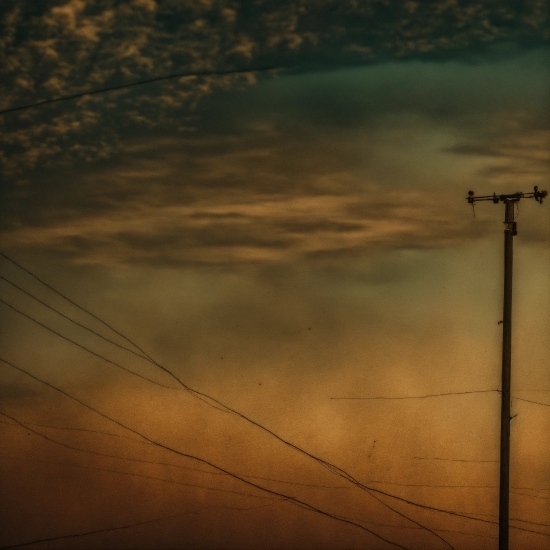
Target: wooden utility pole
[{"x": 510, "y": 230}]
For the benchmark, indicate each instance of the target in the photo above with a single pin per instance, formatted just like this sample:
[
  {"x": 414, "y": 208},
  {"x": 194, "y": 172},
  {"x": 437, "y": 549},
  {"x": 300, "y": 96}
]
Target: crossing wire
[
  {"x": 334, "y": 469},
  {"x": 292, "y": 499},
  {"x": 166, "y": 447},
  {"x": 215, "y": 403}
]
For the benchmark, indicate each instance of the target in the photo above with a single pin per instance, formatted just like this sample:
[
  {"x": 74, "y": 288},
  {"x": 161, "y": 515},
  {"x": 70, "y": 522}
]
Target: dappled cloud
[
  {"x": 243, "y": 201},
  {"x": 318, "y": 166},
  {"x": 67, "y": 47}
]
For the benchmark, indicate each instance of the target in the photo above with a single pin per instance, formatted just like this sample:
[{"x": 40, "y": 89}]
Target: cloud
[
  {"x": 273, "y": 181},
  {"x": 224, "y": 201},
  {"x": 319, "y": 165},
  {"x": 77, "y": 45},
  {"x": 516, "y": 160}
]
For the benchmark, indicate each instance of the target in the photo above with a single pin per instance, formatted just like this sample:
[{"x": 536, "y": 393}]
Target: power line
[
  {"x": 158, "y": 463},
  {"x": 432, "y": 486},
  {"x": 20, "y": 424},
  {"x": 133, "y": 474},
  {"x": 70, "y": 319},
  {"x": 441, "y": 530},
  {"x": 130, "y": 525},
  {"x": 144, "y": 356},
  {"x": 514, "y": 519},
  {"x": 415, "y": 396},
  {"x": 66, "y": 298},
  {"x": 334, "y": 469},
  {"x": 452, "y": 459},
  {"x": 530, "y": 496},
  {"x": 420, "y": 485},
  {"x": 147, "y": 358},
  {"x": 138, "y": 83},
  {"x": 85, "y": 348},
  {"x": 25, "y": 425},
  {"x": 461, "y": 515},
  {"x": 240, "y": 478},
  {"x": 285, "y": 497},
  {"x": 201, "y": 397},
  {"x": 349, "y": 477},
  {"x": 534, "y": 402},
  {"x": 221, "y": 406},
  {"x": 331, "y": 467},
  {"x": 464, "y": 533},
  {"x": 531, "y": 523},
  {"x": 433, "y": 532},
  {"x": 545, "y": 391},
  {"x": 292, "y": 499},
  {"x": 101, "y": 432},
  {"x": 256, "y": 477},
  {"x": 165, "y": 463}
]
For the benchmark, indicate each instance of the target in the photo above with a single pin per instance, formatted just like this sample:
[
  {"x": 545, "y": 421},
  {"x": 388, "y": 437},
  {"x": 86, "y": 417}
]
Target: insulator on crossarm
[{"x": 539, "y": 195}]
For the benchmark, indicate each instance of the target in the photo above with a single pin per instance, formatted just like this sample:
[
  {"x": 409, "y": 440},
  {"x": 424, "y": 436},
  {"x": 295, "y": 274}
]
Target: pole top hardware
[{"x": 513, "y": 197}]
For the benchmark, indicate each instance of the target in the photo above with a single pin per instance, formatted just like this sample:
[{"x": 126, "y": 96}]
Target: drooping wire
[
  {"x": 86, "y": 430},
  {"x": 218, "y": 404},
  {"x": 389, "y": 398},
  {"x": 238, "y": 477},
  {"x": 200, "y": 396},
  {"x": 529, "y": 496},
  {"x": 452, "y": 459},
  {"x": 213, "y": 402},
  {"x": 331, "y": 467},
  {"x": 531, "y": 522},
  {"x": 251, "y": 508},
  {"x": 136, "y": 524},
  {"x": 66, "y": 298},
  {"x": 206, "y": 462},
  {"x": 71, "y": 319},
  {"x": 106, "y": 455},
  {"x": 139, "y": 83},
  {"x": 85, "y": 348},
  {"x": 530, "y": 401},
  {"x": 158, "y": 463},
  {"x": 423, "y": 485}
]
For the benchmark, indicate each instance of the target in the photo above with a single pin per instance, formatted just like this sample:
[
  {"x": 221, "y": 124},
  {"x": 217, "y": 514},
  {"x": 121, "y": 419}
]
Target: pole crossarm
[{"x": 535, "y": 194}]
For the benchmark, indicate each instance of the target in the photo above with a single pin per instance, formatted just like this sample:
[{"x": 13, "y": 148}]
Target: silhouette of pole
[
  {"x": 504, "y": 491},
  {"x": 510, "y": 231}
]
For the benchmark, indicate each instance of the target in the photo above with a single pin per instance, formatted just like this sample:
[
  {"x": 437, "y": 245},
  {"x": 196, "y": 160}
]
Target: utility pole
[{"x": 510, "y": 230}]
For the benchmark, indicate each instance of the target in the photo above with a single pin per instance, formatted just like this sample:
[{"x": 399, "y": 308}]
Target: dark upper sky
[
  {"x": 276, "y": 238},
  {"x": 57, "y": 48}
]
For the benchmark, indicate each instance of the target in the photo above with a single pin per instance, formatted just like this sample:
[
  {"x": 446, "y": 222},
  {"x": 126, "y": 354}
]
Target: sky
[{"x": 250, "y": 256}]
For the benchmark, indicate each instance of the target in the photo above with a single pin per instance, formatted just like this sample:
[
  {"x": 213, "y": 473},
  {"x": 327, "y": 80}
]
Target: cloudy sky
[{"x": 290, "y": 231}]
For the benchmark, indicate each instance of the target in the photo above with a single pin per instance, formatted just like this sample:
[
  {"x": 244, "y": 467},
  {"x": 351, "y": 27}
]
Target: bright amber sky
[{"x": 274, "y": 239}]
